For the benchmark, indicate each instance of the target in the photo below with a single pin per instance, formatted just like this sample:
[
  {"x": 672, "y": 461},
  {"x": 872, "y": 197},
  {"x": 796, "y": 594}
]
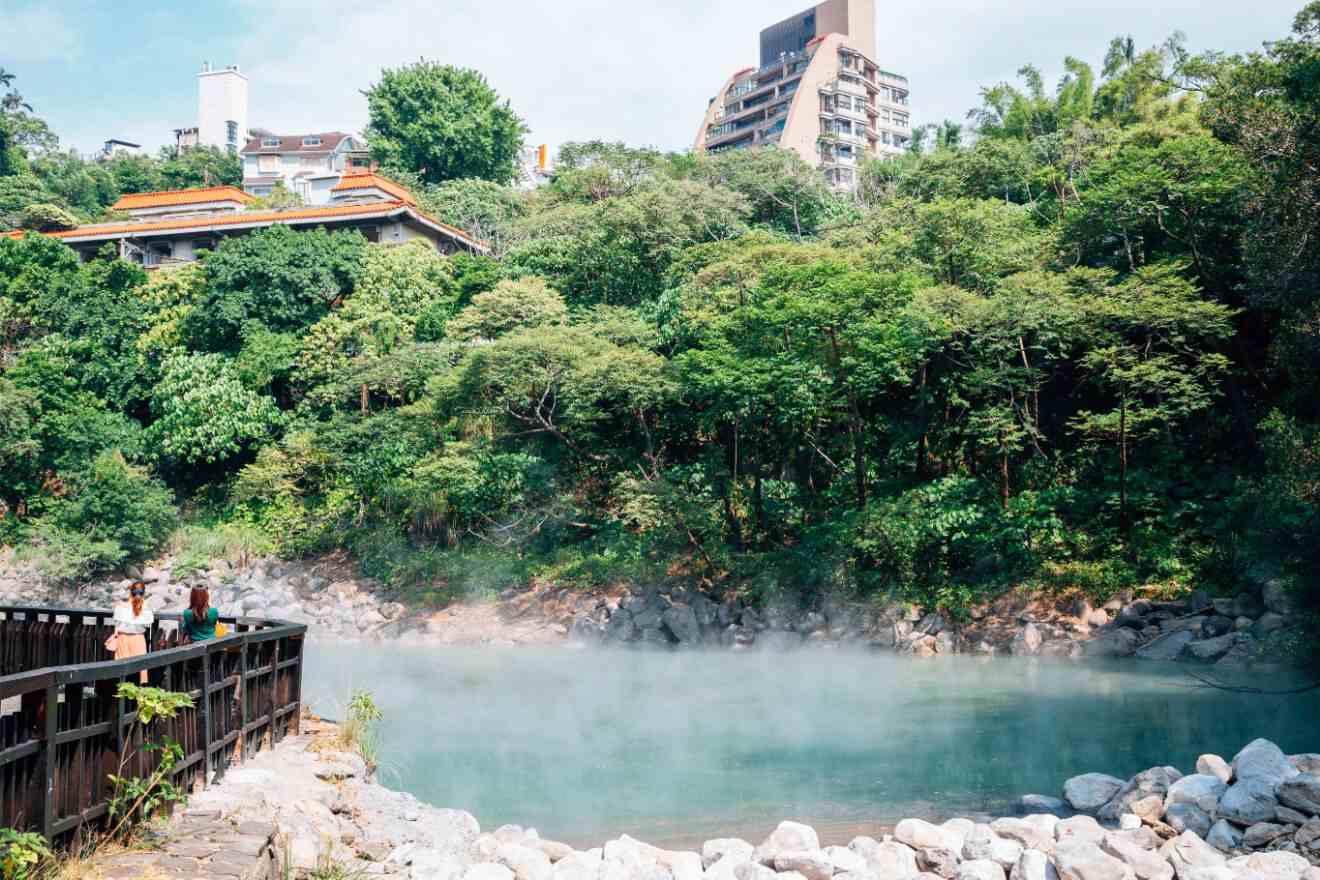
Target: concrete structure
[
  {"x": 535, "y": 167},
  {"x": 115, "y": 147},
  {"x": 222, "y": 107},
  {"x": 166, "y": 228},
  {"x": 309, "y": 165},
  {"x": 818, "y": 92}
]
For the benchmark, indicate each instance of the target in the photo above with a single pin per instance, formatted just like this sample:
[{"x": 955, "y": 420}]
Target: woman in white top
[{"x": 132, "y": 621}]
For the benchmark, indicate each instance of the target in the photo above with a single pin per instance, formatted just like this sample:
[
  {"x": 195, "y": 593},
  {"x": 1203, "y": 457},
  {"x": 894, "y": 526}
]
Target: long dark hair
[
  {"x": 199, "y": 603},
  {"x": 135, "y": 602}
]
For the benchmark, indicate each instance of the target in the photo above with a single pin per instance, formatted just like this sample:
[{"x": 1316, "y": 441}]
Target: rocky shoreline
[
  {"x": 336, "y": 602},
  {"x": 1254, "y": 818}
]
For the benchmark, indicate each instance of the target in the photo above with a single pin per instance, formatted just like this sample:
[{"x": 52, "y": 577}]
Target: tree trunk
[{"x": 1122, "y": 466}]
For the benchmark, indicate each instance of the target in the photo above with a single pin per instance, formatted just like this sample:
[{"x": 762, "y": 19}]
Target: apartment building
[
  {"x": 817, "y": 91},
  {"x": 309, "y": 165}
]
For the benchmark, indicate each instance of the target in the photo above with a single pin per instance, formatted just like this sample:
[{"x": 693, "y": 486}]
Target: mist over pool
[{"x": 587, "y": 744}]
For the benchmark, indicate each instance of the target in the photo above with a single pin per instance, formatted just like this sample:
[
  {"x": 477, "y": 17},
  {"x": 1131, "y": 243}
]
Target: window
[
  {"x": 311, "y": 142},
  {"x": 157, "y": 252},
  {"x": 231, "y": 132},
  {"x": 270, "y": 142},
  {"x": 359, "y": 162},
  {"x": 268, "y": 164},
  {"x": 260, "y": 190},
  {"x": 303, "y": 188}
]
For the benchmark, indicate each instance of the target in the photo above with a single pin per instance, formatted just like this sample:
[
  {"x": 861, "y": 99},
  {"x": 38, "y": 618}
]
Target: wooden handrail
[{"x": 63, "y": 728}]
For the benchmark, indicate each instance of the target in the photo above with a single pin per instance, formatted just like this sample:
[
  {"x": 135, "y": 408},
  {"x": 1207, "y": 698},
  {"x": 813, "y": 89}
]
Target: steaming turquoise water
[{"x": 673, "y": 748}]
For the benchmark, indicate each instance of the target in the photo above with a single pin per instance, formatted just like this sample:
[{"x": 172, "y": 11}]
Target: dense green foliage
[
  {"x": 1075, "y": 346},
  {"x": 442, "y": 123}
]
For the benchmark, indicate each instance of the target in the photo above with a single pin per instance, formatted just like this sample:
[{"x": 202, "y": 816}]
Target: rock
[
  {"x": 1144, "y": 863},
  {"x": 1167, "y": 646},
  {"x": 891, "y": 860},
  {"x": 726, "y": 868},
  {"x": 938, "y": 860},
  {"x": 1098, "y": 617},
  {"x": 1311, "y": 873},
  {"x": 682, "y": 865},
  {"x": 1199, "y": 600},
  {"x": 1201, "y": 790},
  {"x": 1118, "y": 642},
  {"x": 525, "y": 863},
  {"x": 1148, "y": 809},
  {"x": 1262, "y": 759},
  {"x": 1261, "y": 834},
  {"x": 1090, "y": 791},
  {"x": 714, "y": 850},
  {"x": 1269, "y": 622},
  {"x": 1078, "y": 829},
  {"x": 1277, "y": 596},
  {"x": 1270, "y": 865},
  {"x": 1187, "y": 852},
  {"x": 487, "y": 871},
  {"x": 435, "y": 865},
  {"x": 1033, "y": 865},
  {"x": 1033, "y": 832},
  {"x": 1130, "y": 821},
  {"x": 581, "y": 866},
  {"x": 960, "y": 827},
  {"x": 1154, "y": 781},
  {"x": 753, "y": 871},
  {"x": 1027, "y": 641},
  {"x": 845, "y": 861},
  {"x": 1188, "y": 817},
  {"x": 1223, "y": 836},
  {"x": 1030, "y": 804},
  {"x": 1249, "y": 801},
  {"x": 1086, "y": 861},
  {"x": 1217, "y": 625},
  {"x": 554, "y": 850},
  {"x": 1302, "y": 793},
  {"x": 681, "y": 621},
  {"x": 1210, "y": 650},
  {"x": 811, "y": 864},
  {"x": 1305, "y": 763},
  {"x": 1309, "y": 834},
  {"x": 1213, "y": 765},
  {"x": 980, "y": 869},
  {"x": 787, "y": 837},
  {"x": 920, "y": 834},
  {"x": 983, "y": 843}
]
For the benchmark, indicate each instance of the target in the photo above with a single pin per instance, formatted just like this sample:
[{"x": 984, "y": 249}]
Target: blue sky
[{"x": 574, "y": 69}]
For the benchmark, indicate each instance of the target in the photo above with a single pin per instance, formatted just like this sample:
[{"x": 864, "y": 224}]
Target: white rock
[
  {"x": 1213, "y": 765},
  {"x": 811, "y": 864},
  {"x": 1187, "y": 852},
  {"x": 525, "y": 863},
  {"x": 487, "y": 871},
  {"x": 961, "y": 827},
  {"x": 714, "y": 850},
  {"x": 1033, "y": 832},
  {"x": 1129, "y": 821},
  {"x": 979, "y": 869},
  {"x": 845, "y": 861},
  {"x": 726, "y": 867},
  {"x": 681, "y": 865},
  {"x": 1145, "y": 864},
  {"x": 1077, "y": 860},
  {"x": 1078, "y": 829},
  {"x": 891, "y": 860},
  {"x": 1277, "y": 865},
  {"x": 984, "y": 843},
  {"x": 920, "y": 834},
  {"x": 753, "y": 871},
  {"x": 430, "y": 864},
  {"x": 1033, "y": 865},
  {"x": 787, "y": 837},
  {"x": 578, "y": 866}
]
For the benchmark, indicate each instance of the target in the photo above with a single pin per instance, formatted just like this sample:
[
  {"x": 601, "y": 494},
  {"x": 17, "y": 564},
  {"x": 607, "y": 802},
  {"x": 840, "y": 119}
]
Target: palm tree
[{"x": 11, "y": 101}]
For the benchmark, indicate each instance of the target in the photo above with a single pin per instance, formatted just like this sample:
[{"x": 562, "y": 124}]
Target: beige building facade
[{"x": 817, "y": 91}]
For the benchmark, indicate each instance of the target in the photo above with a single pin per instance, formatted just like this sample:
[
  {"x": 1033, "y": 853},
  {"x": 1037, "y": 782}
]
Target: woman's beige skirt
[{"x": 131, "y": 645}]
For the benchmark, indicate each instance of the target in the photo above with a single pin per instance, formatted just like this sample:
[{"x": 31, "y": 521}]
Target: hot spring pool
[{"x": 675, "y": 748}]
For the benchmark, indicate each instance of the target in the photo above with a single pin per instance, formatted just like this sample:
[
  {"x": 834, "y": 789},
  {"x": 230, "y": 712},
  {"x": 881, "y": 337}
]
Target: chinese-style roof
[
  {"x": 170, "y": 197},
  {"x": 293, "y": 143},
  {"x": 368, "y": 180}
]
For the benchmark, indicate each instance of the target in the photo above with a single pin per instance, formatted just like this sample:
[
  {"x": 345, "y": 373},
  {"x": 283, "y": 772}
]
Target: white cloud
[{"x": 36, "y": 34}]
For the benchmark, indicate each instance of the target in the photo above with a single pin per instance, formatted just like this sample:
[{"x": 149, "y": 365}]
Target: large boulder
[
  {"x": 1188, "y": 852},
  {"x": 1262, "y": 834},
  {"x": 811, "y": 864},
  {"x": 1262, "y": 759},
  {"x": 1086, "y": 861},
  {"x": 1249, "y": 801},
  {"x": 1301, "y": 793},
  {"x": 525, "y": 863},
  {"x": 1167, "y": 647},
  {"x": 714, "y": 850},
  {"x": 1276, "y": 865},
  {"x": 1210, "y": 650},
  {"x": 1091, "y": 791},
  {"x": 1201, "y": 790},
  {"x": 920, "y": 834},
  {"x": 1027, "y": 641},
  {"x": 1078, "y": 829},
  {"x": 1277, "y": 596},
  {"x": 983, "y": 843},
  {"x": 487, "y": 871},
  {"x": 938, "y": 860},
  {"x": 787, "y": 837},
  {"x": 1145, "y": 864},
  {"x": 1117, "y": 642},
  {"x": 1305, "y": 763},
  {"x": 681, "y": 621},
  {"x": 1031, "y": 804},
  {"x": 891, "y": 860},
  {"x": 845, "y": 861}
]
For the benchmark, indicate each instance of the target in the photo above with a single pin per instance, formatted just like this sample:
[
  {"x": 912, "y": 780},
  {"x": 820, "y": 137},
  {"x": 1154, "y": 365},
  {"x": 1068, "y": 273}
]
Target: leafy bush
[
  {"x": 22, "y": 854},
  {"x": 206, "y": 414}
]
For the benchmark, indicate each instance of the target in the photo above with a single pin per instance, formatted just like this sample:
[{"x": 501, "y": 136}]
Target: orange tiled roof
[
  {"x": 235, "y": 218},
  {"x": 369, "y": 180},
  {"x": 169, "y": 197}
]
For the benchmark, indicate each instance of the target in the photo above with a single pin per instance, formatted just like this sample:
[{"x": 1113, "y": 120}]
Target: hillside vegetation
[{"x": 1078, "y": 348}]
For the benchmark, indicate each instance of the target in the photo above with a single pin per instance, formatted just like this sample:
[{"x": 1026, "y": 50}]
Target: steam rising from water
[{"x": 673, "y": 748}]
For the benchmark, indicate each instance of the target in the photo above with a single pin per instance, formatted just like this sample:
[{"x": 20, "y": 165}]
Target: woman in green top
[{"x": 200, "y": 618}]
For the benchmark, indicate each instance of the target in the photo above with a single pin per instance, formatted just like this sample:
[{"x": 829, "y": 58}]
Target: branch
[{"x": 1209, "y": 682}]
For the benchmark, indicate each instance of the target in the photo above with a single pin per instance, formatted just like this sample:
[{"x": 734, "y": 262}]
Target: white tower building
[{"x": 222, "y": 107}]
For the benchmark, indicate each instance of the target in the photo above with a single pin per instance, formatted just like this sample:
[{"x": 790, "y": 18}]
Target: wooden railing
[{"x": 63, "y": 730}]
